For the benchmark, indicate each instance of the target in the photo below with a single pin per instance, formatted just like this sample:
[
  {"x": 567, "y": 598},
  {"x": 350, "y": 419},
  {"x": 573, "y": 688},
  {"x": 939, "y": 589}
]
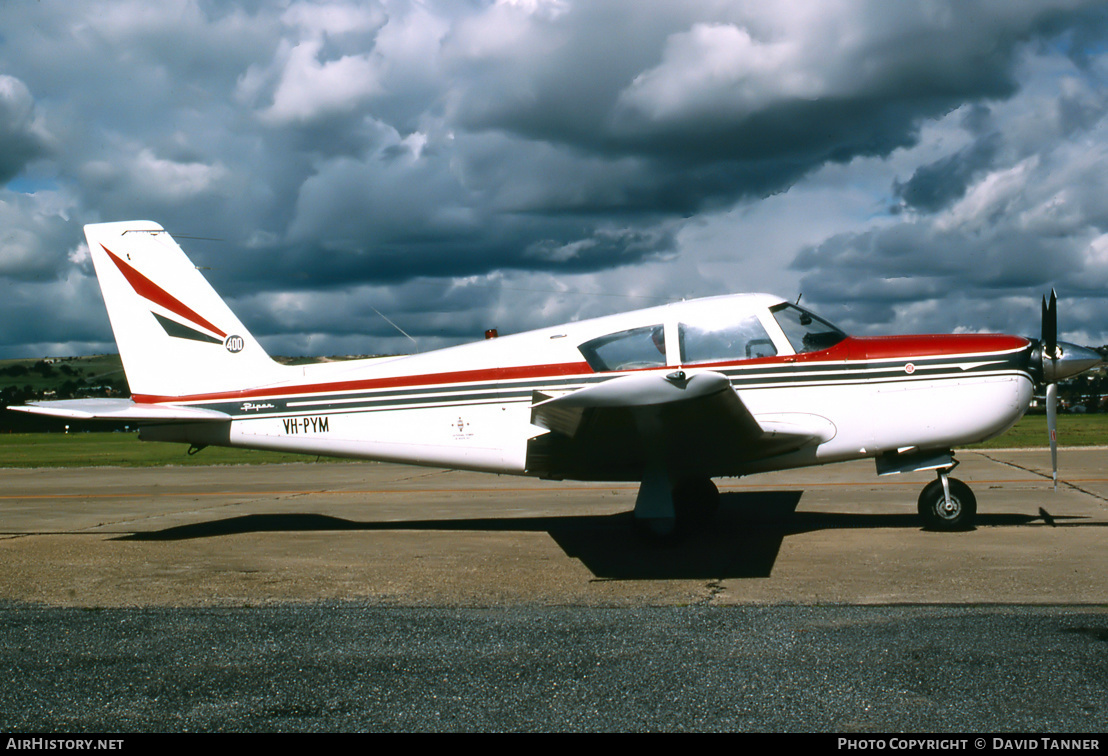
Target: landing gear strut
[{"x": 947, "y": 504}]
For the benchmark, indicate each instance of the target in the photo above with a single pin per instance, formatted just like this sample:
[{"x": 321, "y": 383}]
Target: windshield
[{"x": 805, "y": 331}]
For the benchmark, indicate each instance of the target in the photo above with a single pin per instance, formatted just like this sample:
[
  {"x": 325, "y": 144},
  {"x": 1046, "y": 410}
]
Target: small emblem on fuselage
[
  {"x": 234, "y": 344},
  {"x": 909, "y": 368},
  {"x": 461, "y": 425}
]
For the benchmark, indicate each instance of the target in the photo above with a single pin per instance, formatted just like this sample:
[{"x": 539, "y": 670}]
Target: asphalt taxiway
[{"x": 102, "y": 537}]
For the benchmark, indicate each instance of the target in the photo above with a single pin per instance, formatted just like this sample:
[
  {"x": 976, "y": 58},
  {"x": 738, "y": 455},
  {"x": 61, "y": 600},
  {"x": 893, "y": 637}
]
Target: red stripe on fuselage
[
  {"x": 939, "y": 345},
  {"x": 908, "y": 348},
  {"x": 400, "y": 381},
  {"x": 147, "y": 289}
]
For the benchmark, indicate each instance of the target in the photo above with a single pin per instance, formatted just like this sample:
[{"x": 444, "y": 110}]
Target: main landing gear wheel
[
  {"x": 665, "y": 513},
  {"x": 695, "y": 501},
  {"x": 937, "y": 514}
]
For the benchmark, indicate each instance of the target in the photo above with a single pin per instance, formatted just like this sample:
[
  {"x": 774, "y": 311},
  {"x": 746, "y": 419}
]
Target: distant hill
[{"x": 56, "y": 378}]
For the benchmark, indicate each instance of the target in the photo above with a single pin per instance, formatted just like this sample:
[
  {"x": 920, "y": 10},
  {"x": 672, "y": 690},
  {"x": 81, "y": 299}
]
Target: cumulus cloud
[
  {"x": 327, "y": 67},
  {"x": 503, "y": 151},
  {"x": 996, "y": 224},
  {"x": 22, "y": 136},
  {"x": 720, "y": 71},
  {"x": 158, "y": 179},
  {"x": 36, "y": 237},
  {"x": 935, "y": 185}
]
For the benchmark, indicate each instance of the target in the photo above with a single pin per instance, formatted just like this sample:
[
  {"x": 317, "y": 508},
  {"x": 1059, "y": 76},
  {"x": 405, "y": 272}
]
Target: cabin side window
[
  {"x": 713, "y": 341},
  {"x": 805, "y": 331},
  {"x": 627, "y": 350}
]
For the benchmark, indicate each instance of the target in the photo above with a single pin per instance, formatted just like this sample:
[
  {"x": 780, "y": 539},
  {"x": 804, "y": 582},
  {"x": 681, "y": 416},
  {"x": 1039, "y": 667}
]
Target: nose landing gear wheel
[{"x": 937, "y": 514}]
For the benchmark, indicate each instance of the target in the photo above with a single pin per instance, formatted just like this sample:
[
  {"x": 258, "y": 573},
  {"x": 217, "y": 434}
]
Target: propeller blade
[
  {"x": 1049, "y": 346},
  {"x": 1050, "y": 326},
  {"x": 1052, "y": 428}
]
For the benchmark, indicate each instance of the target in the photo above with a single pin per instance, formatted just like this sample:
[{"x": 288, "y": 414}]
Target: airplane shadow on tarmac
[{"x": 742, "y": 541}]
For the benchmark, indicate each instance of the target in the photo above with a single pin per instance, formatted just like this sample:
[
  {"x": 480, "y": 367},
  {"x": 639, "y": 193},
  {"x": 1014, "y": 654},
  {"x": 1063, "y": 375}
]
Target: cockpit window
[
  {"x": 715, "y": 341},
  {"x": 627, "y": 350},
  {"x": 805, "y": 331}
]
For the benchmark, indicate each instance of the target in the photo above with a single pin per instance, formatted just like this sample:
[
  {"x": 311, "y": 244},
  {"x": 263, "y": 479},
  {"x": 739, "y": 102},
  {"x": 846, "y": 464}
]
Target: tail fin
[{"x": 176, "y": 337}]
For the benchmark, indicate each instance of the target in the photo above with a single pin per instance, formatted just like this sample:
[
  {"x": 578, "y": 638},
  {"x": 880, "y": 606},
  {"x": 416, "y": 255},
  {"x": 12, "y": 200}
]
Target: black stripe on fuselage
[{"x": 777, "y": 375}]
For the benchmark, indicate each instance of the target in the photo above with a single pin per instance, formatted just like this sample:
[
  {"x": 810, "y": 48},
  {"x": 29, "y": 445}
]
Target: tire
[
  {"x": 933, "y": 510},
  {"x": 661, "y": 530},
  {"x": 695, "y": 501}
]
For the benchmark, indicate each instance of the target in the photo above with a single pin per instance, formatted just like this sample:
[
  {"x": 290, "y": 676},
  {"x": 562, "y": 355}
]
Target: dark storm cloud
[
  {"x": 915, "y": 260},
  {"x": 1016, "y": 230},
  {"x": 585, "y": 115},
  {"x": 762, "y": 96},
  {"x": 46, "y": 306},
  {"x": 21, "y": 138},
  {"x": 35, "y": 245},
  {"x": 360, "y": 145},
  {"x": 937, "y": 184}
]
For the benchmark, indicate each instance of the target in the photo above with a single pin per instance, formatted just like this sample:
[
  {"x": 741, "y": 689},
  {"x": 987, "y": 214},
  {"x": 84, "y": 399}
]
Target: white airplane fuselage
[{"x": 470, "y": 406}]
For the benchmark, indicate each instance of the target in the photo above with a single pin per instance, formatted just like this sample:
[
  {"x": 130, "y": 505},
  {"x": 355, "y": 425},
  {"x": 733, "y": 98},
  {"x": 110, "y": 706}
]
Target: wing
[
  {"x": 121, "y": 409},
  {"x": 694, "y": 425}
]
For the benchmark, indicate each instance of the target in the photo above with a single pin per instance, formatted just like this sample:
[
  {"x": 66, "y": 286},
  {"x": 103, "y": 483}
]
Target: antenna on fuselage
[
  {"x": 798, "y": 296},
  {"x": 394, "y": 325}
]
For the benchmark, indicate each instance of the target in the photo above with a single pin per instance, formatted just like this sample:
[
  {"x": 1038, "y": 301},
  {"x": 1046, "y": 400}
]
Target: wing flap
[{"x": 121, "y": 409}]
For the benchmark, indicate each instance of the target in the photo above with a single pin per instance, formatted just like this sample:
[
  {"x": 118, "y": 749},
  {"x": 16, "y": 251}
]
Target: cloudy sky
[{"x": 462, "y": 164}]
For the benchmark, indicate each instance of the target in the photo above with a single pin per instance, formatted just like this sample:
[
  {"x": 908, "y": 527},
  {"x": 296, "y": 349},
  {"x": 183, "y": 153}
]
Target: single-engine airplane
[{"x": 670, "y": 396}]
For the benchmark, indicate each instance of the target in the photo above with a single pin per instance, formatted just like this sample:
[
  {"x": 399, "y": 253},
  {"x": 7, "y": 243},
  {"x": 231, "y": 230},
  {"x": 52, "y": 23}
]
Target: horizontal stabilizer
[{"x": 121, "y": 409}]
